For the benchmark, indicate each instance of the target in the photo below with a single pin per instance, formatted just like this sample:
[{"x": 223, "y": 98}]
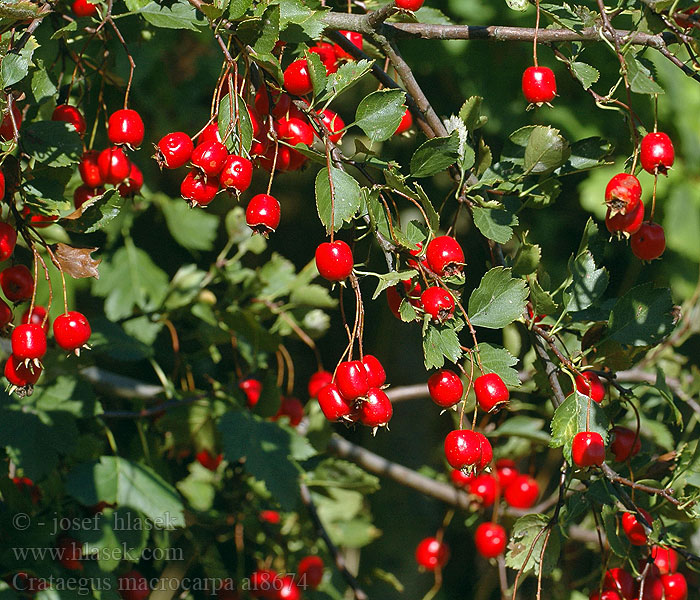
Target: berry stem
[
  {"x": 132, "y": 64},
  {"x": 537, "y": 29}
]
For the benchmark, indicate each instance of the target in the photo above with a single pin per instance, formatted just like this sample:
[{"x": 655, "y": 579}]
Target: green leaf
[
  {"x": 642, "y": 317},
  {"x": 661, "y": 385},
  {"x": 495, "y": 223},
  {"x": 435, "y": 155},
  {"x": 517, "y": 5},
  {"x": 611, "y": 519},
  {"x": 585, "y": 73},
  {"x": 19, "y": 10},
  {"x": 240, "y": 138},
  {"x": 347, "y": 197},
  {"x": 588, "y": 283},
  {"x": 523, "y": 427},
  {"x": 389, "y": 279},
  {"x": 95, "y": 213},
  {"x": 545, "y": 151},
  {"x": 346, "y": 76},
  {"x": 15, "y": 66},
  {"x": 498, "y": 301},
  {"x": 42, "y": 86},
  {"x": 238, "y": 8},
  {"x": 587, "y": 154},
  {"x": 470, "y": 113},
  {"x": 114, "y": 479},
  {"x": 334, "y": 472},
  {"x": 527, "y": 259},
  {"x": 526, "y": 542},
  {"x": 496, "y": 359},
  {"x": 268, "y": 30},
  {"x": 180, "y": 15},
  {"x": 54, "y": 143},
  {"x": 380, "y": 113},
  {"x": 542, "y": 301},
  {"x": 573, "y": 416},
  {"x": 191, "y": 228},
  {"x": 484, "y": 158},
  {"x": 317, "y": 72},
  {"x": 300, "y": 23},
  {"x": 682, "y": 220},
  {"x": 440, "y": 342},
  {"x": 640, "y": 76}
]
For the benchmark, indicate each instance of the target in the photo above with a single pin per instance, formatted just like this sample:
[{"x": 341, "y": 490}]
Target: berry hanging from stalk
[
  {"x": 490, "y": 540},
  {"x": 89, "y": 169},
  {"x": 133, "y": 183},
  {"x": 209, "y": 157},
  {"x": 352, "y": 36},
  {"x": 405, "y": 124},
  {"x": 625, "y": 224},
  {"x": 634, "y": 529},
  {"x": 490, "y": 391},
  {"x": 462, "y": 448},
  {"x": 376, "y": 410},
  {"x": 444, "y": 256},
  {"x": 334, "y": 260},
  {"x": 199, "y": 189},
  {"x": 625, "y": 443},
  {"x": 236, "y": 173},
  {"x": 432, "y": 554},
  {"x": 522, "y": 492},
  {"x": 589, "y": 384},
  {"x": 7, "y": 131},
  {"x": 83, "y": 8},
  {"x": 623, "y": 193},
  {"x": 84, "y": 193},
  {"x": 125, "y": 127},
  {"x": 539, "y": 85},
  {"x": 113, "y": 164},
  {"x": 70, "y": 114},
  {"x": 588, "y": 449},
  {"x": 649, "y": 241},
  {"x": 438, "y": 303},
  {"x": 656, "y": 153},
  {"x": 317, "y": 381},
  {"x": 263, "y": 214},
  {"x": 376, "y": 376},
  {"x": 20, "y": 376},
  {"x": 8, "y": 239},
  {"x": 332, "y": 403},
  {"x": 39, "y": 316},
  {"x": 351, "y": 379},
  {"x": 445, "y": 388},
  {"x": 334, "y": 124},
  {"x": 17, "y": 283},
  {"x": 29, "y": 342},
  {"x": 174, "y": 150},
  {"x": 412, "y": 5},
  {"x": 326, "y": 53},
  {"x": 292, "y": 408},
  {"x": 485, "y": 488},
  {"x": 297, "y": 80},
  {"x": 252, "y": 388},
  {"x": 72, "y": 331}
]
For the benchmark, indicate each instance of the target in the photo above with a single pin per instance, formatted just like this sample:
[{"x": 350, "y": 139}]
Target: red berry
[
  {"x": 411, "y": 293},
  {"x": 71, "y": 330},
  {"x": 8, "y": 239},
  {"x": 292, "y": 408},
  {"x": 113, "y": 164},
  {"x": 588, "y": 449},
  {"x": 486, "y": 452},
  {"x": 351, "y": 379},
  {"x": 539, "y": 85},
  {"x": 209, "y": 157},
  {"x": 666, "y": 559},
  {"x": 84, "y": 193},
  {"x": 623, "y": 193},
  {"x": 460, "y": 478},
  {"x": 445, "y": 256},
  {"x": 310, "y": 572},
  {"x": 209, "y": 134},
  {"x": 297, "y": 80},
  {"x": 490, "y": 391},
  {"x": 333, "y": 123},
  {"x": 653, "y": 589},
  {"x": 133, "y": 586},
  {"x": 405, "y": 124},
  {"x": 252, "y": 389},
  {"x": 675, "y": 586},
  {"x": 326, "y": 53},
  {"x": 522, "y": 492},
  {"x": 38, "y": 317},
  {"x": 236, "y": 173},
  {"x": 317, "y": 381},
  {"x": 5, "y": 314},
  {"x": 7, "y": 130},
  {"x": 24, "y": 484},
  {"x": 589, "y": 384},
  {"x": 174, "y": 150},
  {"x": 83, "y": 8},
  {"x": 2, "y": 186},
  {"x": 445, "y": 388},
  {"x": 506, "y": 472},
  {"x": 133, "y": 183},
  {"x": 70, "y": 553},
  {"x": 264, "y": 584},
  {"x": 462, "y": 448},
  {"x": 376, "y": 409},
  {"x": 90, "y": 171},
  {"x": 438, "y": 303},
  {"x": 649, "y": 242},
  {"x": 270, "y": 516},
  {"x": 625, "y": 443},
  {"x": 295, "y": 130},
  {"x": 208, "y": 460},
  {"x": 604, "y": 595},
  {"x": 484, "y": 487},
  {"x": 657, "y": 153},
  {"x": 20, "y": 375},
  {"x": 28, "y": 341},
  {"x": 629, "y": 222},
  {"x": 635, "y": 531},
  {"x": 376, "y": 376},
  {"x": 432, "y": 554},
  {"x": 288, "y": 590},
  {"x": 620, "y": 581},
  {"x": 334, "y": 260},
  {"x": 70, "y": 114},
  {"x": 199, "y": 189},
  {"x": 17, "y": 283},
  {"x": 332, "y": 403},
  {"x": 263, "y": 214},
  {"x": 409, "y": 4},
  {"x": 490, "y": 540},
  {"x": 681, "y": 19},
  {"x": 125, "y": 126},
  {"x": 355, "y": 38}
]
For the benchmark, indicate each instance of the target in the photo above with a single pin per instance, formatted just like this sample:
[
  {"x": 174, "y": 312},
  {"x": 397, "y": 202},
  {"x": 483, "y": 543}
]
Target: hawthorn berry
[
  {"x": 620, "y": 581},
  {"x": 376, "y": 409},
  {"x": 5, "y": 314},
  {"x": 24, "y": 484},
  {"x": 17, "y": 283},
  {"x": 208, "y": 460},
  {"x": 506, "y": 472},
  {"x": 490, "y": 540},
  {"x": 485, "y": 488},
  {"x": 174, "y": 150},
  {"x": 297, "y": 80},
  {"x": 295, "y": 130},
  {"x": 310, "y": 572},
  {"x": 352, "y": 379},
  {"x": 8, "y": 239},
  {"x": 432, "y": 554},
  {"x": 438, "y": 303},
  {"x": 461, "y": 479},
  {"x": 627, "y": 223},
  {"x": 588, "y": 449},
  {"x": 39, "y": 316},
  {"x": 209, "y": 157},
  {"x": 539, "y": 85},
  {"x": 71, "y": 115},
  {"x": 376, "y": 376},
  {"x": 462, "y": 448},
  {"x": 490, "y": 391},
  {"x": 522, "y": 492},
  {"x": 405, "y": 124},
  {"x": 125, "y": 127},
  {"x": 236, "y": 173},
  {"x": 648, "y": 242},
  {"x": 625, "y": 443},
  {"x": 332, "y": 403},
  {"x": 656, "y": 153},
  {"x": 288, "y": 589},
  {"x": 252, "y": 388},
  {"x": 262, "y": 214},
  {"x": 334, "y": 260},
  {"x": 666, "y": 559},
  {"x": 2, "y": 186},
  {"x": 444, "y": 256},
  {"x": 209, "y": 134},
  {"x": 264, "y": 583},
  {"x": 133, "y": 183},
  {"x": 89, "y": 169},
  {"x": 623, "y": 193},
  {"x": 445, "y": 388},
  {"x": 394, "y": 298},
  {"x": 412, "y": 5},
  {"x": 270, "y": 516},
  {"x": 486, "y": 452},
  {"x": 28, "y": 342},
  {"x": 71, "y": 330},
  {"x": 199, "y": 189},
  {"x": 114, "y": 165},
  {"x": 634, "y": 529},
  {"x": 84, "y": 193},
  {"x": 675, "y": 586},
  {"x": 133, "y": 586},
  {"x": 355, "y": 38},
  {"x": 84, "y": 8},
  {"x": 326, "y": 53},
  {"x": 20, "y": 375},
  {"x": 292, "y": 408},
  {"x": 70, "y": 553},
  {"x": 334, "y": 124},
  {"x": 589, "y": 384},
  {"x": 317, "y": 381},
  {"x": 7, "y": 130},
  {"x": 653, "y": 589}
]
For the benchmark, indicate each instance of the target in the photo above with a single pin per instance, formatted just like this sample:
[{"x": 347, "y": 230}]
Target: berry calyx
[
  {"x": 656, "y": 153},
  {"x": 539, "y": 85},
  {"x": 412, "y": 5},
  {"x": 490, "y": 540},
  {"x": 649, "y": 241},
  {"x": 376, "y": 409},
  {"x": 438, "y": 303},
  {"x": 310, "y": 572},
  {"x": 252, "y": 388},
  {"x": 133, "y": 183},
  {"x": 627, "y": 223},
  {"x": 125, "y": 127},
  {"x": 432, "y": 554},
  {"x": 376, "y": 376},
  {"x": 317, "y": 381},
  {"x": 460, "y": 478},
  {"x": 490, "y": 391},
  {"x": 351, "y": 379},
  {"x": 588, "y": 449},
  {"x": 405, "y": 124},
  {"x": 445, "y": 256},
  {"x": 8, "y": 239},
  {"x": 445, "y": 388},
  {"x": 89, "y": 169},
  {"x": 462, "y": 448},
  {"x": 675, "y": 586},
  {"x": 83, "y": 8},
  {"x": 332, "y": 403},
  {"x": 334, "y": 260},
  {"x": 132, "y": 585},
  {"x": 297, "y": 80},
  {"x": 634, "y": 529},
  {"x": 522, "y": 492},
  {"x": 623, "y": 193},
  {"x": 484, "y": 487},
  {"x": 666, "y": 559},
  {"x": 209, "y": 157},
  {"x": 114, "y": 165},
  {"x": 236, "y": 173},
  {"x": 199, "y": 189},
  {"x": 71, "y": 115},
  {"x": 174, "y": 150},
  {"x": 71, "y": 331},
  {"x": 20, "y": 376},
  {"x": 625, "y": 443},
  {"x": 589, "y": 384},
  {"x": 208, "y": 460},
  {"x": 263, "y": 214},
  {"x": 28, "y": 342},
  {"x": 17, "y": 283}
]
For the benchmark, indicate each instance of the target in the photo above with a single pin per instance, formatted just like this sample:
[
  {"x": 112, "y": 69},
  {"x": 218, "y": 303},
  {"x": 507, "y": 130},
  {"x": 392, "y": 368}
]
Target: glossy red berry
[
  {"x": 657, "y": 153},
  {"x": 70, "y": 114},
  {"x": 490, "y": 391},
  {"x": 333, "y": 123},
  {"x": 262, "y": 214},
  {"x": 174, "y": 150},
  {"x": 445, "y": 388},
  {"x": 208, "y": 460},
  {"x": 649, "y": 242},
  {"x": 7, "y": 130},
  {"x": 589, "y": 384},
  {"x": 209, "y": 157},
  {"x": 462, "y": 448},
  {"x": 114, "y": 165},
  {"x": 376, "y": 376},
  {"x": 133, "y": 183},
  {"x": 288, "y": 589},
  {"x": 264, "y": 583},
  {"x": 270, "y": 516},
  {"x": 297, "y": 80},
  {"x": 84, "y": 193},
  {"x": 351, "y": 379},
  {"x": 675, "y": 586},
  {"x": 486, "y": 452},
  {"x": 405, "y": 124},
  {"x": 539, "y": 85},
  {"x": 432, "y": 554},
  {"x": 445, "y": 256},
  {"x": 409, "y": 4},
  {"x": 623, "y": 193},
  {"x": 490, "y": 540},
  {"x": 438, "y": 303},
  {"x": 334, "y": 260},
  {"x": 634, "y": 529},
  {"x": 132, "y": 585},
  {"x": 620, "y": 581},
  {"x": 506, "y": 472},
  {"x": 332, "y": 403},
  {"x": 17, "y": 283},
  {"x": 627, "y": 223},
  {"x": 355, "y": 38},
  {"x": 83, "y": 8},
  {"x": 485, "y": 488},
  {"x": 317, "y": 381},
  {"x": 199, "y": 189},
  {"x": 28, "y": 341},
  {"x": 2, "y": 186},
  {"x": 125, "y": 127},
  {"x": 89, "y": 169},
  {"x": 461, "y": 479},
  {"x": 295, "y": 130},
  {"x": 8, "y": 239},
  {"x": 38, "y": 317},
  {"x": 209, "y": 134},
  {"x": 292, "y": 408},
  {"x": 19, "y": 374},
  {"x": 653, "y": 589},
  {"x": 588, "y": 449},
  {"x": 236, "y": 173},
  {"x": 310, "y": 572},
  {"x": 252, "y": 389},
  {"x": 522, "y": 492},
  {"x": 376, "y": 409},
  {"x": 326, "y": 53},
  {"x": 666, "y": 559},
  {"x": 5, "y": 314},
  {"x": 71, "y": 330},
  {"x": 625, "y": 443}
]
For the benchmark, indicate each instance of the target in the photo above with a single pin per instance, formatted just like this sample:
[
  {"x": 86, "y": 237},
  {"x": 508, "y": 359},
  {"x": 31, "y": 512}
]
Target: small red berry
[
  {"x": 84, "y": 193},
  {"x": 2, "y": 186},
  {"x": 83, "y": 8},
  {"x": 133, "y": 586},
  {"x": 334, "y": 124},
  {"x": 355, "y": 38},
  {"x": 174, "y": 150},
  {"x": 625, "y": 443},
  {"x": 649, "y": 242},
  {"x": 405, "y": 124},
  {"x": 490, "y": 540},
  {"x": 199, "y": 189},
  {"x": 486, "y": 452},
  {"x": 297, "y": 80},
  {"x": 236, "y": 173},
  {"x": 522, "y": 492},
  {"x": 317, "y": 381},
  {"x": 208, "y": 460},
  {"x": 326, "y": 53},
  {"x": 484, "y": 487},
  {"x": 332, "y": 403},
  {"x": 17, "y": 283},
  {"x": 376, "y": 409},
  {"x": 209, "y": 134},
  {"x": 588, "y": 449},
  {"x": 310, "y": 572},
  {"x": 292, "y": 408},
  {"x": 490, "y": 391},
  {"x": 125, "y": 126},
  {"x": 28, "y": 341},
  {"x": 24, "y": 484},
  {"x": 432, "y": 554},
  {"x": 38, "y": 317},
  {"x": 654, "y": 589},
  {"x": 657, "y": 153},
  {"x": 90, "y": 171},
  {"x": 351, "y": 379},
  {"x": 675, "y": 586},
  {"x": 133, "y": 183},
  {"x": 409, "y": 4},
  {"x": 666, "y": 559},
  {"x": 634, "y": 529},
  {"x": 295, "y": 130},
  {"x": 70, "y": 114},
  {"x": 445, "y": 256},
  {"x": 629, "y": 223},
  {"x": 264, "y": 583},
  {"x": 623, "y": 193},
  {"x": 114, "y": 165},
  {"x": 270, "y": 516},
  {"x": 539, "y": 85},
  {"x": 252, "y": 389},
  {"x": 461, "y": 479},
  {"x": 589, "y": 384},
  {"x": 462, "y": 448},
  {"x": 334, "y": 260},
  {"x": 209, "y": 157},
  {"x": 20, "y": 375},
  {"x": 5, "y": 314},
  {"x": 8, "y": 239},
  {"x": 620, "y": 581},
  {"x": 263, "y": 214},
  {"x": 71, "y": 330},
  {"x": 506, "y": 472},
  {"x": 445, "y": 388},
  {"x": 7, "y": 130},
  {"x": 376, "y": 376},
  {"x": 438, "y": 303},
  {"x": 287, "y": 589}
]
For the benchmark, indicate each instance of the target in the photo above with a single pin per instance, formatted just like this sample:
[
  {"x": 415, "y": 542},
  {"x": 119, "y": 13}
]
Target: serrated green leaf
[
  {"x": 191, "y": 228},
  {"x": 640, "y": 77},
  {"x": 642, "y": 317},
  {"x": 346, "y": 76},
  {"x": 346, "y": 201},
  {"x": 527, "y": 259},
  {"x": 577, "y": 413},
  {"x": 440, "y": 342},
  {"x": 526, "y": 542},
  {"x": 498, "y": 301},
  {"x": 42, "y": 86},
  {"x": 470, "y": 113},
  {"x": 95, "y": 213},
  {"x": 523, "y": 427},
  {"x": 495, "y": 223},
  {"x": 380, "y": 113},
  {"x": 585, "y": 73},
  {"x": 546, "y": 150},
  {"x": 542, "y": 301},
  {"x": 587, "y": 154},
  {"x": 496, "y": 359},
  {"x": 611, "y": 515},
  {"x": 588, "y": 285},
  {"x": 392, "y": 278},
  {"x": 180, "y": 15},
  {"x": 15, "y": 65},
  {"x": 435, "y": 155},
  {"x": 53, "y": 143},
  {"x": 317, "y": 72},
  {"x": 240, "y": 138}
]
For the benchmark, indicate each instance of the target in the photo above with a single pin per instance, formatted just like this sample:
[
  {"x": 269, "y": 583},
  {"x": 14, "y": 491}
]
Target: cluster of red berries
[
  {"x": 270, "y": 585},
  {"x": 446, "y": 390}
]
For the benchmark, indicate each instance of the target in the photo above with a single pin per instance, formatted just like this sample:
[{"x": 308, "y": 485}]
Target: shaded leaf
[
  {"x": 435, "y": 155},
  {"x": 495, "y": 223},
  {"x": 642, "y": 317},
  {"x": 380, "y": 113},
  {"x": 94, "y": 214}
]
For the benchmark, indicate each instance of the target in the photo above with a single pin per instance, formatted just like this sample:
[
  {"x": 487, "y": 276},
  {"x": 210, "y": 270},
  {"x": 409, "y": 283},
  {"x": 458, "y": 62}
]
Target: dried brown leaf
[{"x": 77, "y": 262}]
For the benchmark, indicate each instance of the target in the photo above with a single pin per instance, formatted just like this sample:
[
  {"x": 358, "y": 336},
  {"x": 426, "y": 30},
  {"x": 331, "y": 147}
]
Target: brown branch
[
  {"x": 551, "y": 370},
  {"x": 615, "y": 478}
]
